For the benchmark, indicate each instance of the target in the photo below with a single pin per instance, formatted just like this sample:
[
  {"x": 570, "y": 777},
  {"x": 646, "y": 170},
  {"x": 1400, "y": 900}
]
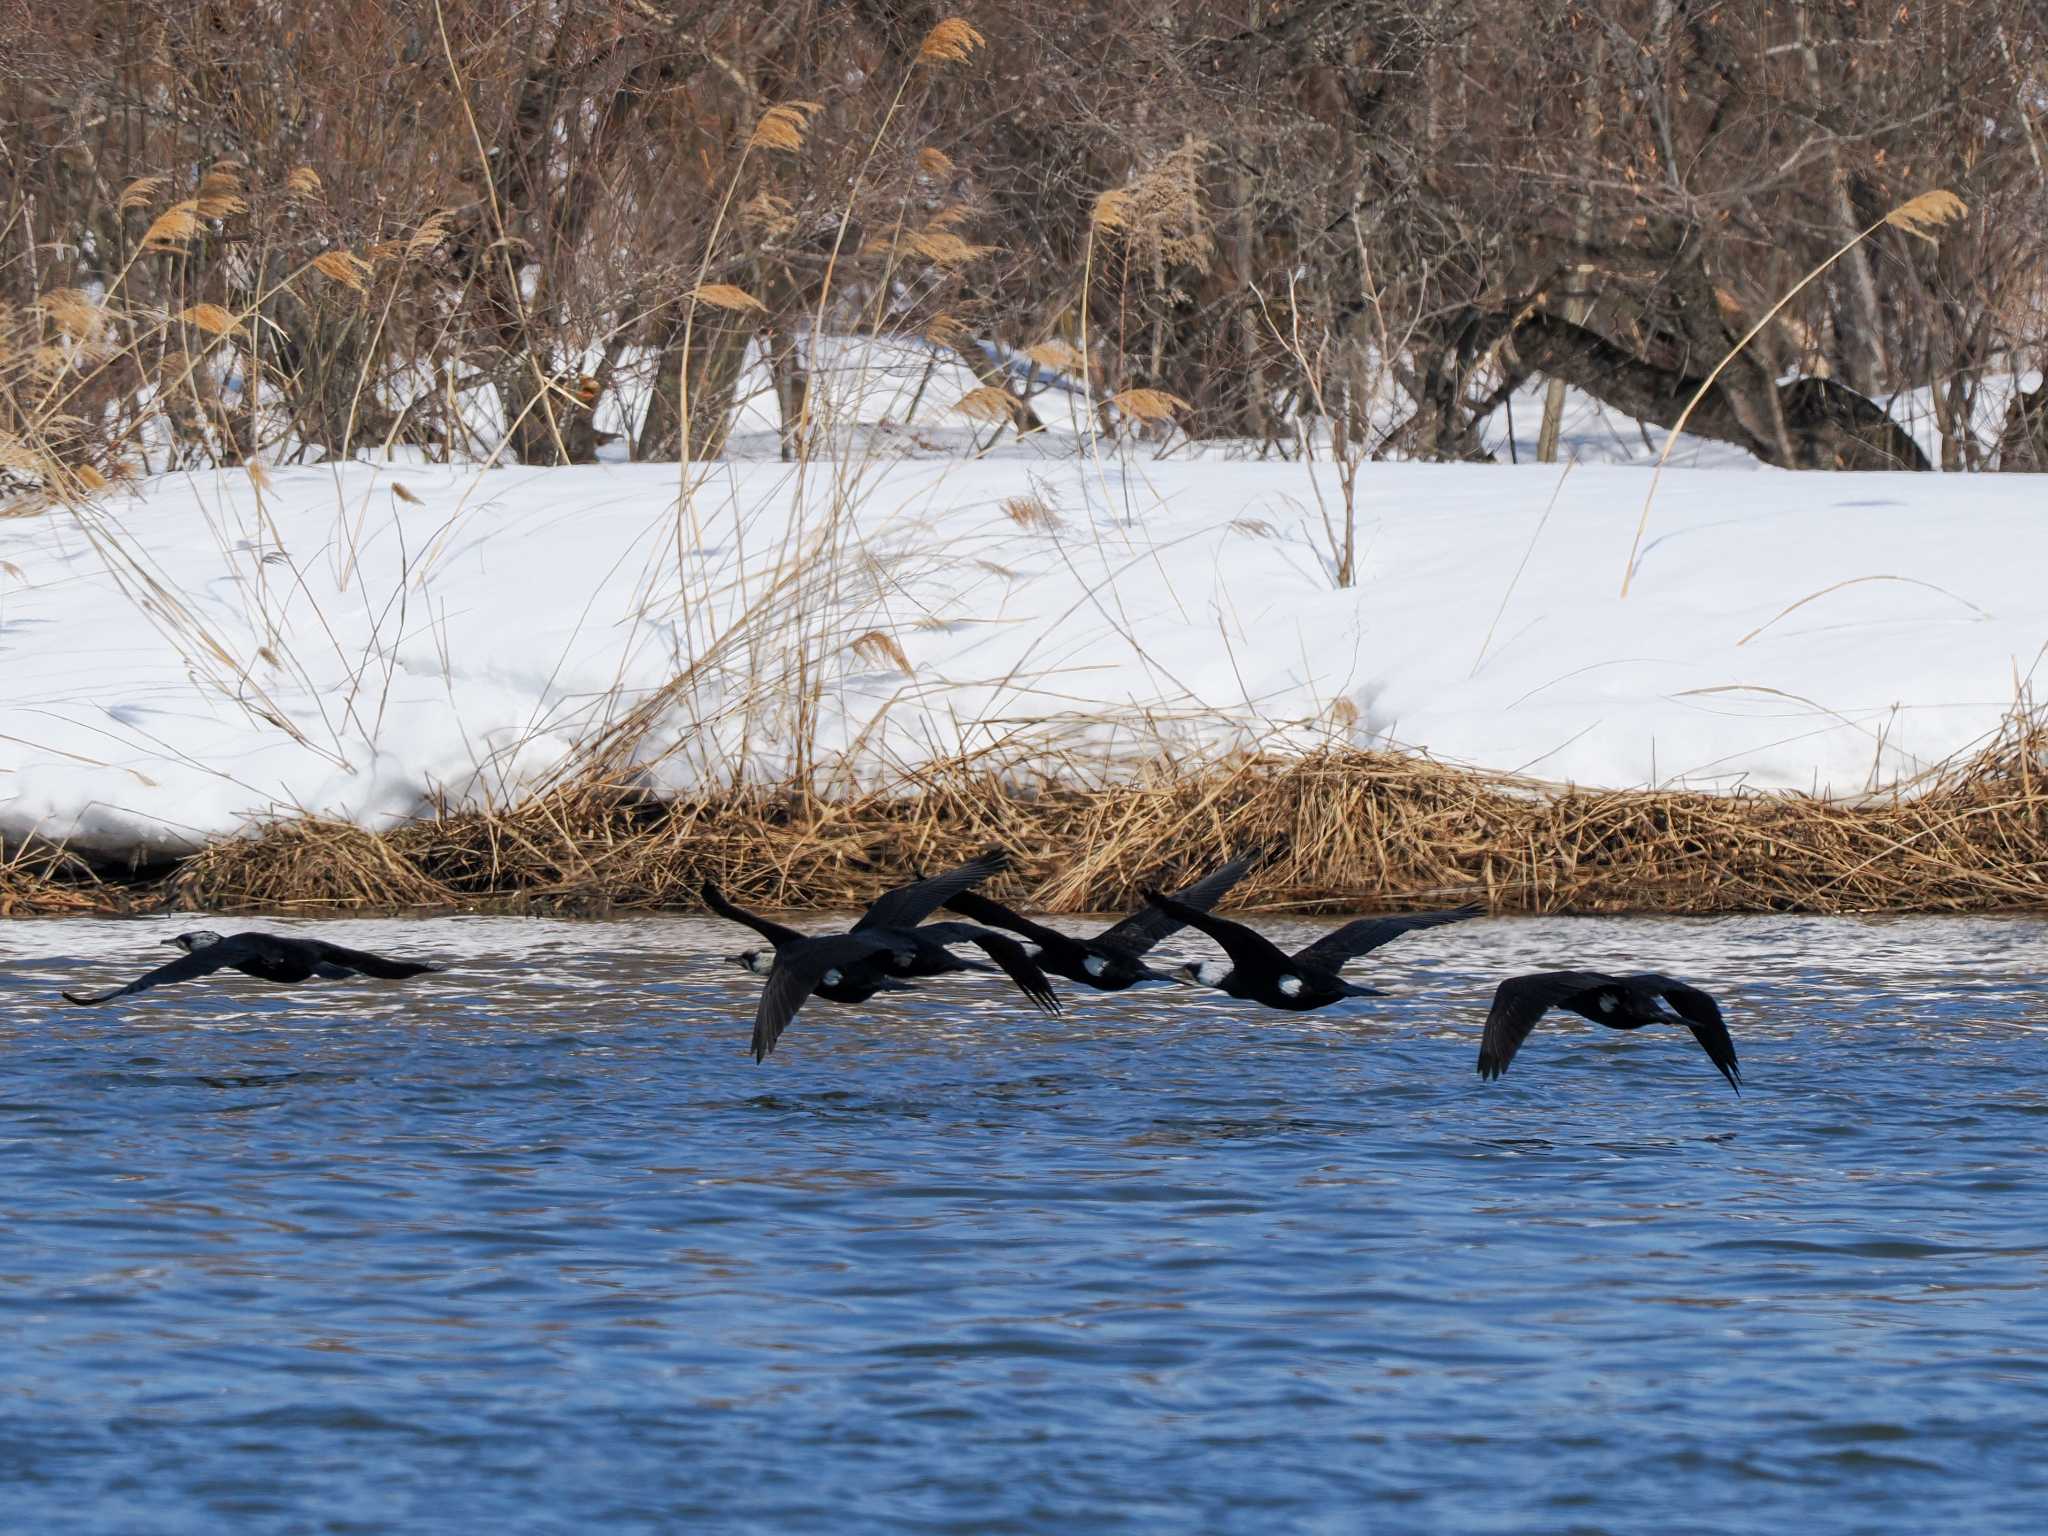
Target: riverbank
[
  {"x": 1348, "y": 830},
  {"x": 383, "y": 686}
]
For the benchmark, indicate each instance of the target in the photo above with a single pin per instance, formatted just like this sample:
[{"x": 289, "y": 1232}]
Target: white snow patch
[{"x": 197, "y": 654}]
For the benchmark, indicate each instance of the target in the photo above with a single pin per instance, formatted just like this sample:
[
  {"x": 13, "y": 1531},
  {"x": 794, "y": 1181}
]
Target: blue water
[{"x": 535, "y": 1246}]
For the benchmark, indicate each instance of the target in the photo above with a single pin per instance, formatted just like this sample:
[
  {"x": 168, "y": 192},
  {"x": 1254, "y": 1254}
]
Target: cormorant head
[
  {"x": 759, "y": 961},
  {"x": 199, "y": 938}
]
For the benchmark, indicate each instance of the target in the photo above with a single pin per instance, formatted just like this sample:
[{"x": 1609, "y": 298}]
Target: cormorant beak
[{"x": 172, "y": 942}]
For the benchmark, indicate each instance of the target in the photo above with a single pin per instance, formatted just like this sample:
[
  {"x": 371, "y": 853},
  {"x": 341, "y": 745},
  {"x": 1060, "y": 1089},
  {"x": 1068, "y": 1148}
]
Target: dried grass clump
[
  {"x": 221, "y": 204},
  {"x": 169, "y": 231},
  {"x": 950, "y": 42},
  {"x": 1160, "y": 214},
  {"x": 41, "y": 881},
  {"x": 768, "y": 213},
  {"x": 1929, "y": 211},
  {"x": 584, "y": 846},
  {"x": 74, "y": 313},
  {"x": 987, "y": 403},
  {"x": 345, "y": 268},
  {"x": 1346, "y": 829},
  {"x": 726, "y": 296},
  {"x": 880, "y": 649},
  {"x": 18, "y": 456},
  {"x": 210, "y": 318},
  {"x": 432, "y": 231},
  {"x": 1148, "y": 405},
  {"x": 1031, "y": 512},
  {"x": 782, "y": 126},
  {"x": 1059, "y": 356},
  {"x": 141, "y": 192},
  {"x": 304, "y": 863},
  {"x": 944, "y": 248}
]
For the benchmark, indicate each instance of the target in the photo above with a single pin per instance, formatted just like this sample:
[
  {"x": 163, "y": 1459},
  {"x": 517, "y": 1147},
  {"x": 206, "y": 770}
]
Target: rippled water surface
[{"x": 534, "y": 1245}]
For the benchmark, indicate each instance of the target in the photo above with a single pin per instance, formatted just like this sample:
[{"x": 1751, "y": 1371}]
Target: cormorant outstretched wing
[
  {"x": 201, "y": 962},
  {"x": 1248, "y": 949},
  {"x": 798, "y": 969},
  {"x": 1007, "y": 954},
  {"x": 1137, "y": 933},
  {"x": 1332, "y": 950},
  {"x": 1518, "y": 1003},
  {"x": 984, "y": 909},
  {"x": 363, "y": 961},
  {"x": 909, "y": 905},
  {"x": 774, "y": 933},
  {"x": 1702, "y": 1016}
]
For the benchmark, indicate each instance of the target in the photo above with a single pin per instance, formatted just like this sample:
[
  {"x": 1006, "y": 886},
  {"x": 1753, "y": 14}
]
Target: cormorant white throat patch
[{"x": 1290, "y": 986}]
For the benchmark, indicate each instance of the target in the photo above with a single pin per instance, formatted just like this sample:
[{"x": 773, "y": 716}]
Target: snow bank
[{"x": 367, "y": 642}]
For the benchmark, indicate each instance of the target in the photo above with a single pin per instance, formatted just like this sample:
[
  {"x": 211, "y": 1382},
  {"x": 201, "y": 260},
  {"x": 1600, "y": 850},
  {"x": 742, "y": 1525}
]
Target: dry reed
[
  {"x": 1148, "y": 405},
  {"x": 1057, "y": 355},
  {"x": 987, "y": 403},
  {"x": 344, "y": 267},
  {"x": 1031, "y": 512},
  {"x": 1916, "y": 216},
  {"x": 950, "y": 42},
  {"x": 210, "y": 318},
  {"x": 879, "y": 649},
  {"x": 1347, "y": 829},
  {"x": 782, "y": 126},
  {"x": 726, "y": 296}
]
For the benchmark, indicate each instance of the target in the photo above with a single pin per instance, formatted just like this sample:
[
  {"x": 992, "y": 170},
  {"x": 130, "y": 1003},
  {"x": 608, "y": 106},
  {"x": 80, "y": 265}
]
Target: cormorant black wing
[
  {"x": 1247, "y": 949},
  {"x": 1007, "y": 953},
  {"x": 1137, "y": 933},
  {"x": 1366, "y": 934},
  {"x": 201, "y": 962},
  {"x": 1518, "y": 1003},
  {"x": 363, "y": 961},
  {"x": 1702, "y": 1016},
  {"x": 774, "y": 933},
  {"x": 909, "y": 905},
  {"x": 983, "y": 909},
  {"x": 798, "y": 969}
]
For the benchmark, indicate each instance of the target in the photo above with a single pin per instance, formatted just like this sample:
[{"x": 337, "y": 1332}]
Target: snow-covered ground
[{"x": 369, "y": 641}]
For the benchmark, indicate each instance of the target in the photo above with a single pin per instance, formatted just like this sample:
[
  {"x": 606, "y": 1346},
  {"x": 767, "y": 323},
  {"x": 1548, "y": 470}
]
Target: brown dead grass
[
  {"x": 305, "y": 863},
  {"x": 38, "y": 881},
  {"x": 1348, "y": 829}
]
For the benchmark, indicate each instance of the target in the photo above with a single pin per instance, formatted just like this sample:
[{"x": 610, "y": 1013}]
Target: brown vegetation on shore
[
  {"x": 1349, "y": 829},
  {"x": 501, "y": 232}
]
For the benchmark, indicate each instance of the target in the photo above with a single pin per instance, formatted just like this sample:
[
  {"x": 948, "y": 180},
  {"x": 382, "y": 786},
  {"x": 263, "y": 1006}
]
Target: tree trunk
[
  {"x": 2023, "y": 444},
  {"x": 1579, "y": 304},
  {"x": 1810, "y": 423},
  {"x": 1862, "y": 349},
  {"x": 718, "y": 354}
]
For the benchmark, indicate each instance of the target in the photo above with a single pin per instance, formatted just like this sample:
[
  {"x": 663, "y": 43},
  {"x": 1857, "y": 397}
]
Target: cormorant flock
[{"x": 892, "y": 945}]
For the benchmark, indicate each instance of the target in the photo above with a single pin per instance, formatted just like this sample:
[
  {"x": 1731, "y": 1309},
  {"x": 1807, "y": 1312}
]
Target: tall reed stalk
[{"x": 1930, "y": 210}]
